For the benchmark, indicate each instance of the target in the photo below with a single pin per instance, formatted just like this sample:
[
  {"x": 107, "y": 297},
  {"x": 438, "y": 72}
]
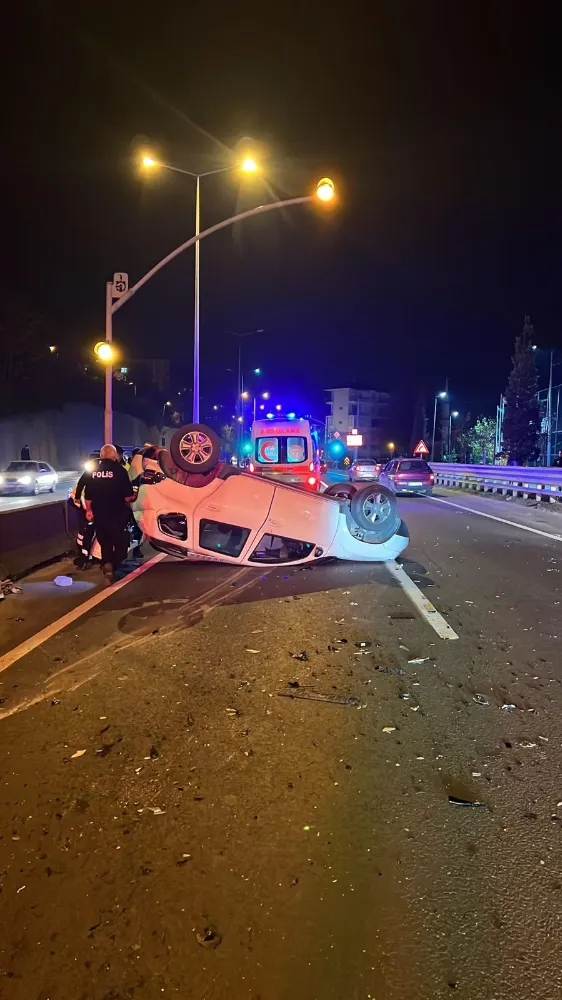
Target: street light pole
[
  {"x": 438, "y": 395},
  {"x": 108, "y": 412},
  {"x": 433, "y": 435},
  {"x": 196, "y": 309},
  {"x": 549, "y": 413}
]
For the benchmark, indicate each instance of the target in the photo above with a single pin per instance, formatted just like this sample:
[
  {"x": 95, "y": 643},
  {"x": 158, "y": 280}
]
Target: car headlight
[
  {"x": 1, "y": 479},
  {"x": 24, "y": 480}
]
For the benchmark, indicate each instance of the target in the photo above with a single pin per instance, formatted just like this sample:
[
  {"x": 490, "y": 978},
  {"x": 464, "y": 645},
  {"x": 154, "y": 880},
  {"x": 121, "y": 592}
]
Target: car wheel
[
  {"x": 53, "y": 488},
  {"x": 373, "y": 508},
  {"x": 195, "y": 448},
  {"x": 342, "y": 491},
  {"x": 35, "y": 490}
]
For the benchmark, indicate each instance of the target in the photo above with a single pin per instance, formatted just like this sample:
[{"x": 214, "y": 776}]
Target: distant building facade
[{"x": 364, "y": 410}]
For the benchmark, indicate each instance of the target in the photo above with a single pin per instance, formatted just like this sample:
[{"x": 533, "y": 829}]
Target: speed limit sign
[{"x": 120, "y": 284}]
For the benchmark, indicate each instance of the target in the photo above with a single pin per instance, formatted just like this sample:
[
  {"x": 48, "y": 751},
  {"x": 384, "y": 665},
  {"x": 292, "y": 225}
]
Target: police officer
[{"x": 108, "y": 495}]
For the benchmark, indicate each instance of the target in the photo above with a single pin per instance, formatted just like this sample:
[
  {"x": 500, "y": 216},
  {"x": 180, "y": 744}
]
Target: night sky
[{"x": 440, "y": 123}]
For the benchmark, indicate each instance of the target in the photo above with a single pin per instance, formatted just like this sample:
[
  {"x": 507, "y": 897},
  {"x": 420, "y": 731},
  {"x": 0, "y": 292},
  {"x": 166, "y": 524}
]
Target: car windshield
[
  {"x": 290, "y": 450},
  {"x": 414, "y": 466},
  {"x": 22, "y": 467},
  {"x": 365, "y": 461}
]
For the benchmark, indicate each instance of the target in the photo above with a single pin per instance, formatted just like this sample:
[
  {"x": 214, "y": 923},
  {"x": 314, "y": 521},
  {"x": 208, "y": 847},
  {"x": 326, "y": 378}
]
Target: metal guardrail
[{"x": 507, "y": 480}]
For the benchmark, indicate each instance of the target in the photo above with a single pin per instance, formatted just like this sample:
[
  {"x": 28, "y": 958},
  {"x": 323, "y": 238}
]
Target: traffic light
[{"x": 335, "y": 449}]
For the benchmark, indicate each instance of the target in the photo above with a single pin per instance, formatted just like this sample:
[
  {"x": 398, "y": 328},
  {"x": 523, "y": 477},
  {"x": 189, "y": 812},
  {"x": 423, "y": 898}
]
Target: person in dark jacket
[
  {"x": 25, "y": 454},
  {"x": 108, "y": 495}
]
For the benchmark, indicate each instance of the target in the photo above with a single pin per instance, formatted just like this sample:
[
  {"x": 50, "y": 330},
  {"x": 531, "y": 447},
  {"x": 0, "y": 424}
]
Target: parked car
[
  {"x": 407, "y": 475},
  {"x": 193, "y": 506},
  {"x": 365, "y": 470},
  {"x": 28, "y": 477}
]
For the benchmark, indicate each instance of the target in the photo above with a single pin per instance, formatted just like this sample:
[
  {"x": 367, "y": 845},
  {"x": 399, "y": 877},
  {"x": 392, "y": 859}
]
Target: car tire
[
  {"x": 342, "y": 491},
  {"x": 53, "y": 488},
  {"x": 36, "y": 490},
  {"x": 195, "y": 448},
  {"x": 375, "y": 498}
]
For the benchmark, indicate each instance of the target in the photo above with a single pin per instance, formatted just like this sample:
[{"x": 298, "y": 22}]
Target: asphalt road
[
  {"x": 219, "y": 839},
  {"x": 66, "y": 481}
]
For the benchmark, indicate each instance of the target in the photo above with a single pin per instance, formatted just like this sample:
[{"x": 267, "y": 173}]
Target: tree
[
  {"x": 521, "y": 423},
  {"x": 477, "y": 444}
]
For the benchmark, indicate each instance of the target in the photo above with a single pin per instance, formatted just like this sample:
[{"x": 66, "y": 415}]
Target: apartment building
[{"x": 365, "y": 410}]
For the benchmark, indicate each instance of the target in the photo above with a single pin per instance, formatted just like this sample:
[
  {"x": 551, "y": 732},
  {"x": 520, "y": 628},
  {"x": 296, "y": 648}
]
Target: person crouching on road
[{"x": 108, "y": 495}]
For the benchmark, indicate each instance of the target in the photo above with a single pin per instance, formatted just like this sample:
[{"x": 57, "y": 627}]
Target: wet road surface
[{"x": 226, "y": 835}]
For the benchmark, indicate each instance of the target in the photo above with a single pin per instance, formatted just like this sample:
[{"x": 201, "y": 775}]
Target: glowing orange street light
[{"x": 325, "y": 189}]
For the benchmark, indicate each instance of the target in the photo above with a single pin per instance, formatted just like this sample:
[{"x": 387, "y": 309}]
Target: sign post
[{"x": 421, "y": 448}]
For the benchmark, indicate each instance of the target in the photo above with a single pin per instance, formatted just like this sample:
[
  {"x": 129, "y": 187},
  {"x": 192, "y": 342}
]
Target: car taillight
[
  {"x": 311, "y": 466},
  {"x": 312, "y": 480},
  {"x": 432, "y": 479},
  {"x": 252, "y": 467}
]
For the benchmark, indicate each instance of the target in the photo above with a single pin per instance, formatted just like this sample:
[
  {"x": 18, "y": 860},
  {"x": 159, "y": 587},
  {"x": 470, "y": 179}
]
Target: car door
[
  {"x": 227, "y": 522},
  {"x": 44, "y": 476},
  {"x": 383, "y": 478}
]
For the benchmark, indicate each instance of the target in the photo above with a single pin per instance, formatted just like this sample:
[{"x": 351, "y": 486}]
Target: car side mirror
[{"x": 151, "y": 476}]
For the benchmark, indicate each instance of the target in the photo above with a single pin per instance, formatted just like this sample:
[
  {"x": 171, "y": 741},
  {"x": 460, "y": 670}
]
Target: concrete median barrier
[{"x": 34, "y": 535}]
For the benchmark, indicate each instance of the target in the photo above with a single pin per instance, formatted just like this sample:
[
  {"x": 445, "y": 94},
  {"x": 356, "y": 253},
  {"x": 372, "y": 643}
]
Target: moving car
[
  {"x": 286, "y": 449},
  {"x": 28, "y": 477},
  {"x": 407, "y": 475},
  {"x": 364, "y": 470},
  {"x": 193, "y": 506}
]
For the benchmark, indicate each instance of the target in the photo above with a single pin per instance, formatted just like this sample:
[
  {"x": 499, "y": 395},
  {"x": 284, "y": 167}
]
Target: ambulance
[{"x": 287, "y": 451}]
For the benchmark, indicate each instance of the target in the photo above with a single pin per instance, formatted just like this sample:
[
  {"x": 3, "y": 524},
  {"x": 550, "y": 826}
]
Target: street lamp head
[
  {"x": 265, "y": 395},
  {"x": 278, "y": 407},
  {"x": 442, "y": 395},
  {"x": 245, "y": 395},
  {"x": 239, "y": 420},
  {"x": 148, "y": 161},
  {"x": 325, "y": 189},
  {"x": 215, "y": 407},
  {"x": 249, "y": 165},
  {"x": 257, "y": 371},
  {"x": 455, "y": 413},
  {"x": 104, "y": 351},
  {"x": 391, "y": 445},
  {"x": 53, "y": 348}
]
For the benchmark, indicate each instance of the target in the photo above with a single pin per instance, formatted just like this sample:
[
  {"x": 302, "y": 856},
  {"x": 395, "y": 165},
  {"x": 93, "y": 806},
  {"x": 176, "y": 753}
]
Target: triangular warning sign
[{"x": 421, "y": 448}]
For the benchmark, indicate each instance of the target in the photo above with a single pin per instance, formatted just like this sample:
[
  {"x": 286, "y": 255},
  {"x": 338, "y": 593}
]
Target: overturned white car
[{"x": 194, "y": 506}]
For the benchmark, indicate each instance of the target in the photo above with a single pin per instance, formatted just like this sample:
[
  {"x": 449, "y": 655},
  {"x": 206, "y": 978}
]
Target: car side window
[
  {"x": 277, "y": 549},
  {"x": 388, "y": 467},
  {"x": 225, "y": 539},
  {"x": 43, "y": 467}
]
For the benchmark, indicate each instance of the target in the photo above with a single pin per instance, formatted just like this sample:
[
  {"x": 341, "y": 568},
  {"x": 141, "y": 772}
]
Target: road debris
[
  {"x": 209, "y": 938},
  {"x": 332, "y": 699},
  {"x": 526, "y": 745},
  {"x": 479, "y": 699},
  {"x": 402, "y": 616},
  {"x": 233, "y": 712},
  {"x": 252, "y": 650},
  {"x": 153, "y": 753},
  {"x": 79, "y": 753},
  {"x": 363, "y": 644},
  {"x": 464, "y": 802},
  {"x": 509, "y": 708},
  {"x": 418, "y": 660},
  {"x": 293, "y": 684},
  {"x": 300, "y": 656},
  {"x": 156, "y": 810},
  {"x": 389, "y": 729}
]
